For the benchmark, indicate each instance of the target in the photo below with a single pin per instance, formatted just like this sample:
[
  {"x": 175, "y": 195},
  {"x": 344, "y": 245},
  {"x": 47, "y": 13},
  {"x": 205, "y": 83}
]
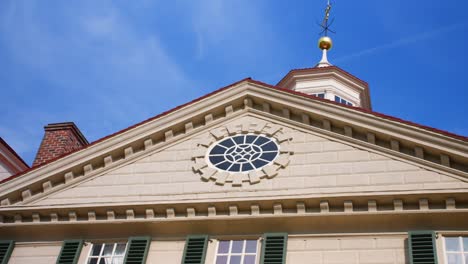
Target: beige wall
[
  {"x": 385, "y": 249},
  {"x": 165, "y": 252},
  {"x": 4, "y": 172},
  {"x": 318, "y": 167},
  {"x": 37, "y": 253}
]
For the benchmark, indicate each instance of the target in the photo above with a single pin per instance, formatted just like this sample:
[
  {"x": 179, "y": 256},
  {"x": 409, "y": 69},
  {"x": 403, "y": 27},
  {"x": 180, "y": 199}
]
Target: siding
[
  {"x": 37, "y": 253},
  {"x": 379, "y": 249},
  {"x": 165, "y": 252}
]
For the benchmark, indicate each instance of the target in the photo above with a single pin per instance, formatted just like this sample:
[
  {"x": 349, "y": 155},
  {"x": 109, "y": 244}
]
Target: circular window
[{"x": 243, "y": 153}]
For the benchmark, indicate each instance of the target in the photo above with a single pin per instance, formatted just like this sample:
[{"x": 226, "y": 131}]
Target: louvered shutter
[
  {"x": 422, "y": 247},
  {"x": 6, "y": 248},
  {"x": 137, "y": 250},
  {"x": 274, "y": 248},
  {"x": 195, "y": 250},
  {"x": 70, "y": 252}
]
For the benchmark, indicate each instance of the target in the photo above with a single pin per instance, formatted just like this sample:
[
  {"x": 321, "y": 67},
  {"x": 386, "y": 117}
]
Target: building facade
[
  {"x": 10, "y": 162},
  {"x": 300, "y": 172}
]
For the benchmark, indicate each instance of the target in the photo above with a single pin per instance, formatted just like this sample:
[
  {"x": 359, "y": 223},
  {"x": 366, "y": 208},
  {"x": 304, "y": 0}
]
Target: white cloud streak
[{"x": 400, "y": 42}]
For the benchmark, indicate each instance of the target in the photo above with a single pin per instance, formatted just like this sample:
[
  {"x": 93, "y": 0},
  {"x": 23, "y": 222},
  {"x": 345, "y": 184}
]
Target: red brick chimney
[{"x": 59, "y": 139}]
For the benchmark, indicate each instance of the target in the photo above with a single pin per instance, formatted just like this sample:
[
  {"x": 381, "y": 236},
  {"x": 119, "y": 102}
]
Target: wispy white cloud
[
  {"x": 401, "y": 42},
  {"x": 91, "y": 54}
]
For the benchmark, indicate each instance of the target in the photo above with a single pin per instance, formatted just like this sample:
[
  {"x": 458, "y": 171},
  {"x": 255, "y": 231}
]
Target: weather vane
[
  {"x": 325, "y": 25},
  {"x": 325, "y": 43}
]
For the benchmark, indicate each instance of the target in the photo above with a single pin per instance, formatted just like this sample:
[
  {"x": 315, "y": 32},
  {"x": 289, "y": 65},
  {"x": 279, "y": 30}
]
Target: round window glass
[{"x": 243, "y": 153}]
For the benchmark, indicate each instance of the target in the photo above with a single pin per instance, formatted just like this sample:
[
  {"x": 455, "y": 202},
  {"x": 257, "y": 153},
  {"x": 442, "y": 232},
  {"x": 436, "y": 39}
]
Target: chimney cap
[{"x": 67, "y": 125}]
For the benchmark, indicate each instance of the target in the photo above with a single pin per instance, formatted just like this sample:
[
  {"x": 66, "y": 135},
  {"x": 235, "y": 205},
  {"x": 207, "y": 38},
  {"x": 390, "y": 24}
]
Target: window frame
[
  {"x": 257, "y": 253},
  {"x": 104, "y": 243},
  {"x": 462, "y": 252}
]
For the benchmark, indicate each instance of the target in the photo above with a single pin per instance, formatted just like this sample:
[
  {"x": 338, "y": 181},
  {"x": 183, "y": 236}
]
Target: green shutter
[
  {"x": 195, "y": 249},
  {"x": 422, "y": 247},
  {"x": 70, "y": 252},
  {"x": 6, "y": 248},
  {"x": 137, "y": 250},
  {"x": 274, "y": 248}
]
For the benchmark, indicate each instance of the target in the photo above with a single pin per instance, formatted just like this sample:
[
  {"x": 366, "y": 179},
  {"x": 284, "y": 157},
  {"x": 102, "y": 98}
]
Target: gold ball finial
[{"x": 325, "y": 43}]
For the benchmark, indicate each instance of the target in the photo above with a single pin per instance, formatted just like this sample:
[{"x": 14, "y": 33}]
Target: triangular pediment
[
  {"x": 429, "y": 160},
  {"x": 313, "y": 165}
]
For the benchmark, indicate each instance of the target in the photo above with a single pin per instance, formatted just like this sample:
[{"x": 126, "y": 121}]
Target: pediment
[
  {"x": 429, "y": 156},
  {"x": 310, "y": 164}
]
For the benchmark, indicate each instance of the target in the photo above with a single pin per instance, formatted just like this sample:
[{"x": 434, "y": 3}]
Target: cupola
[{"x": 327, "y": 81}]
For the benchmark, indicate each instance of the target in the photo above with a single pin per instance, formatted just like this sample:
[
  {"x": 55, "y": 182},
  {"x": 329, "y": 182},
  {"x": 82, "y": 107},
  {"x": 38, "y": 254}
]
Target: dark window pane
[
  {"x": 259, "y": 163},
  {"x": 224, "y": 165},
  {"x": 235, "y": 260},
  {"x": 261, "y": 140},
  {"x": 223, "y": 247},
  {"x": 249, "y": 260},
  {"x": 218, "y": 150},
  {"x": 268, "y": 156},
  {"x": 93, "y": 261},
  {"x": 321, "y": 95},
  {"x": 250, "y": 139},
  {"x": 108, "y": 248},
  {"x": 247, "y": 167},
  {"x": 337, "y": 99},
  {"x": 251, "y": 246},
  {"x": 269, "y": 146},
  {"x": 239, "y": 139},
  {"x": 216, "y": 159},
  {"x": 103, "y": 261},
  {"x": 221, "y": 260},
  {"x": 96, "y": 249},
  {"x": 227, "y": 143},
  {"x": 235, "y": 167}
]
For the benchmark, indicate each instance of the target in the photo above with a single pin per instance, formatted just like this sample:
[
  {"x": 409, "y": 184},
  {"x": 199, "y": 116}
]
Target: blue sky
[{"x": 106, "y": 65}]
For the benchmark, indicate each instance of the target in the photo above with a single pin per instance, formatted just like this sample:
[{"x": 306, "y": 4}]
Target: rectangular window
[
  {"x": 236, "y": 252},
  {"x": 456, "y": 250},
  {"x": 107, "y": 253},
  {"x": 321, "y": 95},
  {"x": 341, "y": 100}
]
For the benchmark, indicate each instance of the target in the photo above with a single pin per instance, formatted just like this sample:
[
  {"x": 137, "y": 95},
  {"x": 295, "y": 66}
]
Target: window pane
[
  {"x": 93, "y": 261},
  {"x": 454, "y": 258},
  {"x": 251, "y": 246},
  {"x": 235, "y": 260},
  {"x": 103, "y": 261},
  {"x": 452, "y": 244},
  {"x": 465, "y": 244},
  {"x": 221, "y": 260},
  {"x": 96, "y": 249},
  {"x": 249, "y": 260},
  {"x": 321, "y": 95},
  {"x": 237, "y": 246},
  {"x": 223, "y": 247},
  {"x": 120, "y": 250},
  {"x": 117, "y": 260},
  {"x": 337, "y": 99},
  {"x": 108, "y": 248}
]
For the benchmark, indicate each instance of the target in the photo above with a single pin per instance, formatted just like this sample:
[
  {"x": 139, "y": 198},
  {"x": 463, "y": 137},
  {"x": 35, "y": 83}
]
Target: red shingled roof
[{"x": 449, "y": 134}]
